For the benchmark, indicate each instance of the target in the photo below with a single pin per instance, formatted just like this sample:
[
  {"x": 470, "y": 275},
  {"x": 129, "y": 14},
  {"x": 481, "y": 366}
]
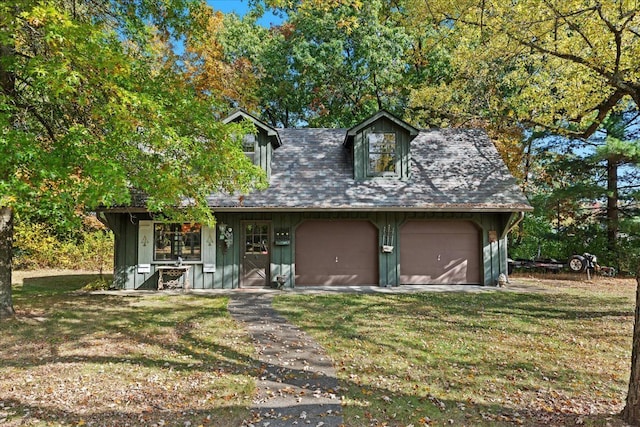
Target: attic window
[
  {"x": 382, "y": 153},
  {"x": 249, "y": 146}
]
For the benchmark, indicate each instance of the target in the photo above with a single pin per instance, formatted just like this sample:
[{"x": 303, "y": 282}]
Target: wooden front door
[{"x": 255, "y": 257}]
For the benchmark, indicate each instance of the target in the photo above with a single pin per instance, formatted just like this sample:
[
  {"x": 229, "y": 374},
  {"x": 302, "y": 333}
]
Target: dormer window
[
  {"x": 258, "y": 146},
  {"x": 249, "y": 146},
  {"x": 380, "y": 147},
  {"x": 382, "y": 153}
]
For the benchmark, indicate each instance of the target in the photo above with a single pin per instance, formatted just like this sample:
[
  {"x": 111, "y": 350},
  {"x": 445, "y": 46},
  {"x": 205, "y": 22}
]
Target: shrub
[
  {"x": 101, "y": 284},
  {"x": 36, "y": 246}
]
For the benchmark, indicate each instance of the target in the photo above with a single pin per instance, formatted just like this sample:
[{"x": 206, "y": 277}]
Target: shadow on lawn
[
  {"x": 65, "y": 338},
  {"x": 67, "y": 317},
  {"x": 15, "y": 412},
  {"x": 532, "y": 306},
  {"x": 56, "y": 285},
  {"x": 514, "y": 348}
]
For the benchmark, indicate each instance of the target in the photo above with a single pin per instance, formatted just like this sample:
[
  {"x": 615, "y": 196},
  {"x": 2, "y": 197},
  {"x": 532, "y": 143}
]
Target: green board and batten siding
[
  {"x": 226, "y": 271},
  {"x": 264, "y": 151}
]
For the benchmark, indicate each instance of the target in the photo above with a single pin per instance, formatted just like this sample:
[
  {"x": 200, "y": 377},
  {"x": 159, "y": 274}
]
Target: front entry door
[{"x": 256, "y": 261}]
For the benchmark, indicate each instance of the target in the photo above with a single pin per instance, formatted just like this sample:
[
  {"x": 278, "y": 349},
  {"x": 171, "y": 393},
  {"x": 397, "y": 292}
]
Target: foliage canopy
[{"x": 93, "y": 105}]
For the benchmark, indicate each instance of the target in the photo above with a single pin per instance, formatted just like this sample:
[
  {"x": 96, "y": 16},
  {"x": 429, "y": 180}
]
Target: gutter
[{"x": 448, "y": 208}]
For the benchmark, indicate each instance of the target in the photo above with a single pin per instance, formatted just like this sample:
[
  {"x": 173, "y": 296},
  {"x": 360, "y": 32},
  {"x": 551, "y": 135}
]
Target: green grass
[
  {"x": 474, "y": 359},
  {"x": 559, "y": 357},
  {"x": 71, "y": 358}
]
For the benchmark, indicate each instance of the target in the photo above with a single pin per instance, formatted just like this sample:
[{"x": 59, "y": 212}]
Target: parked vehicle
[
  {"x": 580, "y": 264},
  {"x": 575, "y": 264}
]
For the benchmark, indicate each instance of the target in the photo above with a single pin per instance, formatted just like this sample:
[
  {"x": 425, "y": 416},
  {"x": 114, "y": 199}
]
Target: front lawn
[
  {"x": 559, "y": 357},
  {"x": 70, "y": 358}
]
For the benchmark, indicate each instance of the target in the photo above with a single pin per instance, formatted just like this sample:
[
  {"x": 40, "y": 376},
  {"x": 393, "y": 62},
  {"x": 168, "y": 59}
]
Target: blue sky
[{"x": 240, "y": 7}]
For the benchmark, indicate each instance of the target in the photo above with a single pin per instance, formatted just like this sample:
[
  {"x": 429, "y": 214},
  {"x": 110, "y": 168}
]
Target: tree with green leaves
[
  {"x": 246, "y": 65},
  {"x": 351, "y": 58},
  {"x": 220, "y": 58},
  {"x": 559, "y": 66},
  {"x": 618, "y": 154},
  {"x": 94, "y": 109},
  {"x": 566, "y": 65},
  {"x": 329, "y": 63}
]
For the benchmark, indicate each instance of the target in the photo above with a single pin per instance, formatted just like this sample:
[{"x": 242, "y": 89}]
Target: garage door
[
  {"x": 439, "y": 252},
  {"x": 336, "y": 253}
]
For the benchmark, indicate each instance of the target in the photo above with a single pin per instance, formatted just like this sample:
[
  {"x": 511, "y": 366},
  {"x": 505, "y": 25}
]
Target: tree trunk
[
  {"x": 612, "y": 207},
  {"x": 6, "y": 249},
  {"x": 631, "y": 412},
  {"x": 7, "y": 87}
]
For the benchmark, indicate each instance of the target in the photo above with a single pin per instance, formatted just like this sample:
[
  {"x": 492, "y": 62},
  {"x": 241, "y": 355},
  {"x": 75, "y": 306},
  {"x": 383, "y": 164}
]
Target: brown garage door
[
  {"x": 439, "y": 252},
  {"x": 336, "y": 253}
]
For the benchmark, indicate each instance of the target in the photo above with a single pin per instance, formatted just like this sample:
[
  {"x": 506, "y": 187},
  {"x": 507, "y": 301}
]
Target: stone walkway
[{"x": 298, "y": 385}]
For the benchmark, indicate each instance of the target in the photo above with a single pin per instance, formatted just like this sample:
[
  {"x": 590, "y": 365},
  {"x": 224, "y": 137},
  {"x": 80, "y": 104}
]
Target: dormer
[
  {"x": 259, "y": 146},
  {"x": 380, "y": 147}
]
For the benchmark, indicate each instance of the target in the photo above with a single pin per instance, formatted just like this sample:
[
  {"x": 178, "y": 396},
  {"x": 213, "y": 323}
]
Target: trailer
[
  {"x": 575, "y": 264},
  {"x": 546, "y": 265}
]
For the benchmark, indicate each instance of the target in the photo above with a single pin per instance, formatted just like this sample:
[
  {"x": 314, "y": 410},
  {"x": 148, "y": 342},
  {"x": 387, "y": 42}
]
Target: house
[{"x": 381, "y": 203}]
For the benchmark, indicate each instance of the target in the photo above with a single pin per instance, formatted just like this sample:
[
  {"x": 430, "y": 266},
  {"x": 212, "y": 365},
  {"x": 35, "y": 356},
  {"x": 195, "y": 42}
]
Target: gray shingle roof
[{"x": 451, "y": 170}]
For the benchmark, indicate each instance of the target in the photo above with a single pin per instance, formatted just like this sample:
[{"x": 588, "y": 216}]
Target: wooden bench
[{"x": 178, "y": 277}]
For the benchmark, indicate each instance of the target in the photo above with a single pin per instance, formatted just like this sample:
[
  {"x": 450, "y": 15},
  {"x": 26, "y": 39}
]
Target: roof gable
[
  {"x": 241, "y": 114},
  {"x": 352, "y": 132}
]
